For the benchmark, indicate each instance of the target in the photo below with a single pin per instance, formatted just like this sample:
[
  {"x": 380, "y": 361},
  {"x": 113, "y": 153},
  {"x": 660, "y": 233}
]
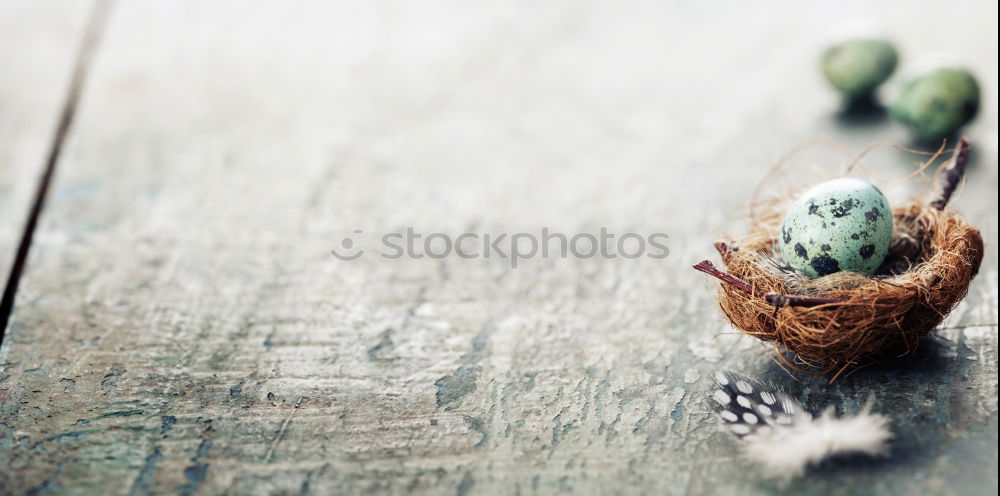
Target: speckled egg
[
  {"x": 937, "y": 104},
  {"x": 857, "y": 66},
  {"x": 843, "y": 224}
]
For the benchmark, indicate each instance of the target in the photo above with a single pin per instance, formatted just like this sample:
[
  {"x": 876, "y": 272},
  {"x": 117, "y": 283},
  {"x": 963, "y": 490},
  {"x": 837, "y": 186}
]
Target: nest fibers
[{"x": 834, "y": 322}]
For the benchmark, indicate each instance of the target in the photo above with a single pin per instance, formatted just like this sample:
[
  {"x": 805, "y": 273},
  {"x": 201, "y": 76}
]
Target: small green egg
[
  {"x": 936, "y": 105},
  {"x": 857, "y": 66},
  {"x": 843, "y": 224}
]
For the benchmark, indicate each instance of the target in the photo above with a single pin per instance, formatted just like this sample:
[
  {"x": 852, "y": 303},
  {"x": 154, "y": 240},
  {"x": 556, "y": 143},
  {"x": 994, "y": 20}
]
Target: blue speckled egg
[{"x": 843, "y": 224}]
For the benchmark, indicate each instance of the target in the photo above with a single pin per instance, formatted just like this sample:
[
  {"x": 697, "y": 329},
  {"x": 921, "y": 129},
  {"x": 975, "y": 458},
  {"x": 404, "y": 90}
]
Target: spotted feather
[
  {"x": 778, "y": 434},
  {"x": 751, "y": 408}
]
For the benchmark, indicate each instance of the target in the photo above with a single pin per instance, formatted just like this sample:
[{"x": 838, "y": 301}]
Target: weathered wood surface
[
  {"x": 182, "y": 328},
  {"x": 38, "y": 41}
]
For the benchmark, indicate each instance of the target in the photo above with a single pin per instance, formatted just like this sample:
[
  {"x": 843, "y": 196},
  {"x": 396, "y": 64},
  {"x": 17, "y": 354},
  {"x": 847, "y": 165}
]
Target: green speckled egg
[
  {"x": 843, "y": 224},
  {"x": 857, "y": 66},
  {"x": 935, "y": 105}
]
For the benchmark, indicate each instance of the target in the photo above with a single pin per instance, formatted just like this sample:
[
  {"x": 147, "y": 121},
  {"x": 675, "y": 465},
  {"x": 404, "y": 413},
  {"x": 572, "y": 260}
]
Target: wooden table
[{"x": 181, "y": 326}]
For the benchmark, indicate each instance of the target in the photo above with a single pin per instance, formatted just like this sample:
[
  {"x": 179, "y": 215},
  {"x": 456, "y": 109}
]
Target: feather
[{"x": 782, "y": 437}]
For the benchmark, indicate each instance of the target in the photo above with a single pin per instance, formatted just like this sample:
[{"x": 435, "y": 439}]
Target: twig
[
  {"x": 953, "y": 173},
  {"x": 707, "y": 267},
  {"x": 774, "y": 299},
  {"x": 783, "y": 300},
  {"x": 722, "y": 248}
]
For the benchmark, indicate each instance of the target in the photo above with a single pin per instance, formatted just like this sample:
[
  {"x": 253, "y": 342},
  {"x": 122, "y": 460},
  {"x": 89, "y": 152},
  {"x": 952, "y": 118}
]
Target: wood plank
[
  {"x": 183, "y": 328},
  {"x": 38, "y": 43}
]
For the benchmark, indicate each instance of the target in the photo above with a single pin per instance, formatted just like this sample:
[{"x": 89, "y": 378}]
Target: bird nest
[{"x": 845, "y": 319}]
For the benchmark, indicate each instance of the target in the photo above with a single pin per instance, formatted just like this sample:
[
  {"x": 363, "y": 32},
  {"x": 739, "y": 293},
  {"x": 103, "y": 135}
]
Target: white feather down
[{"x": 784, "y": 452}]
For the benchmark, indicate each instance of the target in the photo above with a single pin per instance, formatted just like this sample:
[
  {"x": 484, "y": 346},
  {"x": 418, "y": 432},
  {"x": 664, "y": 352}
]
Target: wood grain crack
[{"x": 84, "y": 59}]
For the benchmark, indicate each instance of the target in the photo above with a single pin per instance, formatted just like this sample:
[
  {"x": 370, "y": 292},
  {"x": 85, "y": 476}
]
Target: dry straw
[{"x": 845, "y": 319}]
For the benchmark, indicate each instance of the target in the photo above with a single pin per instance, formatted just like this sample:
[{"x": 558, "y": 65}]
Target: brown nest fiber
[{"x": 845, "y": 319}]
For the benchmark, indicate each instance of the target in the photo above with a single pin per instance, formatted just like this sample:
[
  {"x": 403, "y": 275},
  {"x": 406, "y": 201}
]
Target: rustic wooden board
[
  {"x": 38, "y": 41},
  {"x": 182, "y": 327}
]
